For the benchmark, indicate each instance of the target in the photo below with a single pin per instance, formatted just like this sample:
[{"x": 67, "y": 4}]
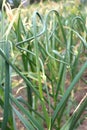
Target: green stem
[{"x": 7, "y": 90}]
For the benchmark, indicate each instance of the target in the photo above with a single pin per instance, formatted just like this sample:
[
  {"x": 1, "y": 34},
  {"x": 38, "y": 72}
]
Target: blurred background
[{"x": 16, "y": 3}]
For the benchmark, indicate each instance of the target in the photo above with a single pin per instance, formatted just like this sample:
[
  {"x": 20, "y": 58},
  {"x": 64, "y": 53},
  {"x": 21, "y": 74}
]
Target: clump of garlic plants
[{"x": 43, "y": 50}]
